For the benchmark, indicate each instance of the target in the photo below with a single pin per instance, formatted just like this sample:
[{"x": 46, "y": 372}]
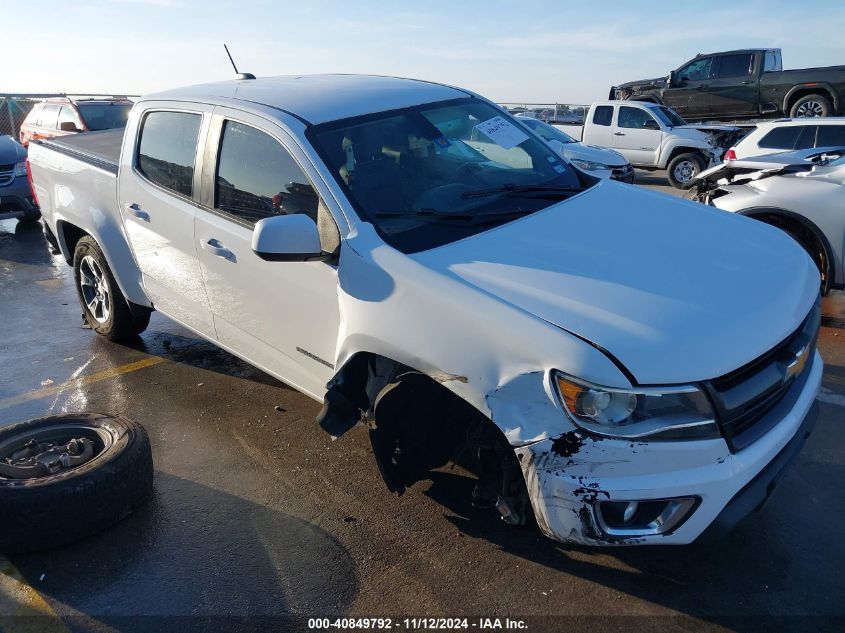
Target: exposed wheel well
[
  {"x": 803, "y": 92},
  {"x": 417, "y": 424},
  {"x": 807, "y": 235},
  {"x": 684, "y": 150},
  {"x": 69, "y": 234}
]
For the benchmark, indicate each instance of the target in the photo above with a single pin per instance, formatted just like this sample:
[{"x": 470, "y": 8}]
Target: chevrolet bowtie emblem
[{"x": 796, "y": 366}]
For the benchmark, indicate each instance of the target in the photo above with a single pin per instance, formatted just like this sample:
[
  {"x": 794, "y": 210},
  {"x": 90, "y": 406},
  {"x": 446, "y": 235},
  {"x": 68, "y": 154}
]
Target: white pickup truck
[
  {"x": 652, "y": 136},
  {"x": 634, "y": 368}
]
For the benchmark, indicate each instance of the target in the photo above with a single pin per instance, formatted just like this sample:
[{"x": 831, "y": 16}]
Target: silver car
[{"x": 802, "y": 193}]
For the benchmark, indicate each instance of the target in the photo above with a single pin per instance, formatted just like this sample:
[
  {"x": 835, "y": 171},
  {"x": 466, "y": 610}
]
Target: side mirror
[
  {"x": 671, "y": 79},
  {"x": 288, "y": 238},
  {"x": 68, "y": 126},
  {"x": 651, "y": 124},
  {"x": 556, "y": 146}
]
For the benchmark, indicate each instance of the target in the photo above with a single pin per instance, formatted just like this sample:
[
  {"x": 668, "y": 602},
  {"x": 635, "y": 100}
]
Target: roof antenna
[{"x": 237, "y": 74}]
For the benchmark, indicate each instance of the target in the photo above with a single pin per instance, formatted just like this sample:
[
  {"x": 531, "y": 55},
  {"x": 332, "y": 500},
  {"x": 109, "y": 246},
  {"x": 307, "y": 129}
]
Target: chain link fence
[{"x": 561, "y": 113}]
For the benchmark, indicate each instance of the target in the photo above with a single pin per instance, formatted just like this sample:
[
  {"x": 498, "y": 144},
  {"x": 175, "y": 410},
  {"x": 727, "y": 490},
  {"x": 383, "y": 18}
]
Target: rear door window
[
  {"x": 49, "y": 116},
  {"x": 167, "y": 149},
  {"x": 258, "y": 178},
  {"x": 734, "y": 65},
  {"x": 603, "y": 115},
  {"x": 807, "y": 138},
  {"x": 831, "y": 136},
  {"x": 782, "y": 137}
]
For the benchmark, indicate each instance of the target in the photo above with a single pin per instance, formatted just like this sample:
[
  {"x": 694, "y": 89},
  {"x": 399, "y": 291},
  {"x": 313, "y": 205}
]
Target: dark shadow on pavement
[{"x": 196, "y": 559}]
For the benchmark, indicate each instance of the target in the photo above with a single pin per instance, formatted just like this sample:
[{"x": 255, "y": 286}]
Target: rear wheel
[
  {"x": 683, "y": 169},
  {"x": 811, "y": 106},
  {"x": 104, "y": 307}
]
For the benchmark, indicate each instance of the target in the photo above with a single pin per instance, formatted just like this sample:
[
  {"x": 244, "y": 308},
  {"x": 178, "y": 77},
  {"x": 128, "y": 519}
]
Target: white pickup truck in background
[
  {"x": 652, "y": 136},
  {"x": 635, "y": 368}
]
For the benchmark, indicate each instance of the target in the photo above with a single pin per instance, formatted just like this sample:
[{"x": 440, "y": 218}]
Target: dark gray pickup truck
[{"x": 746, "y": 83}]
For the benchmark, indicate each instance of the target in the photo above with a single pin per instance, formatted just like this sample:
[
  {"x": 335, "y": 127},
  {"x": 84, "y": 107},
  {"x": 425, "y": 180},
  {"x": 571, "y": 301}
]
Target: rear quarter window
[
  {"x": 603, "y": 115},
  {"x": 831, "y": 136},
  {"x": 167, "y": 149}
]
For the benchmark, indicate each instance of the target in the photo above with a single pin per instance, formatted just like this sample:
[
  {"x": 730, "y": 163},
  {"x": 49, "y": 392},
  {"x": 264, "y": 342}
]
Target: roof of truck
[{"x": 317, "y": 99}]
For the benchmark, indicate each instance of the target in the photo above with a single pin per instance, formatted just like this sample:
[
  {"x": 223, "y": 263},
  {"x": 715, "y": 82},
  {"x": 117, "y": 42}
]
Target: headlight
[
  {"x": 681, "y": 412},
  {"x": 588, "y": 165},
  {"x": 20, "y": 169}
]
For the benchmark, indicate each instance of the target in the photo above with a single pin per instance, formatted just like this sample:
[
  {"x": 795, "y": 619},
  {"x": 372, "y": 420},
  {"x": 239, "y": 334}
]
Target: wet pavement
[{"x": 258, "y": 513}]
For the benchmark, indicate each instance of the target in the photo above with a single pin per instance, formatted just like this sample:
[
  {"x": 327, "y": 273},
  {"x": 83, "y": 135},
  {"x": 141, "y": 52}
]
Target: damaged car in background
[
  {"x": 800, "y": 192},
  {"x": 628, "y": 370}
]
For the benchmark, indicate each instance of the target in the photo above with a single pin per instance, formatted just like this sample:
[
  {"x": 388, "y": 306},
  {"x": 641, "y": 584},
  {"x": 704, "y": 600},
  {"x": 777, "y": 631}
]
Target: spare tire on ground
[{"x": 66, "y": 477}]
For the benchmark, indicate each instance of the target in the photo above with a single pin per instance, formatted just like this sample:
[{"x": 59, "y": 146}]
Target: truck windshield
[
  {"x": 436, "y": 173},
  {"x": 104, "y": 116},
  {"x": 668, "y": 116}
]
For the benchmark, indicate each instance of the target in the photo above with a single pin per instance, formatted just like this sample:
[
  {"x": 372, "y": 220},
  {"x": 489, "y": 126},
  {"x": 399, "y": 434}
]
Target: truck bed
[{"x": 98, "y": 149}]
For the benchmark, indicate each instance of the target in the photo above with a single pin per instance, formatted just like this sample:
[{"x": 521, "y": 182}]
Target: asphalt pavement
[{"x": 258, "y": 514}]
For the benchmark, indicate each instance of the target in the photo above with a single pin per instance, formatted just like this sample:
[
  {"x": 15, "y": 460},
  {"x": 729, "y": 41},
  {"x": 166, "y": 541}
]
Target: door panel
[
  {"x": 638, "y": 144},
  {"x": 733, "y": 88},
  {"x": 156, "y": 196},
  {"x": 688, "y": 96},
  {"x": 283, "y": 316}
]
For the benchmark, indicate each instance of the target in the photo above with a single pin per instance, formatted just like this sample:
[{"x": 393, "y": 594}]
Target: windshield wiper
[
  {"x": 425, "y": 213},
  {"x": 464, "y": 219},
  {"x": 510, "y": 188}
]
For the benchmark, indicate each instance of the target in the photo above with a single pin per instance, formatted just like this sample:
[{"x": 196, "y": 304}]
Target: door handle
[
  {"x": 702, "y": 87},
  {"x": 137, "y": 212},
  {"x": 619, "y": 134},
  {"x": 745, "y": 83},
  {"x": 214, "y": 247}
]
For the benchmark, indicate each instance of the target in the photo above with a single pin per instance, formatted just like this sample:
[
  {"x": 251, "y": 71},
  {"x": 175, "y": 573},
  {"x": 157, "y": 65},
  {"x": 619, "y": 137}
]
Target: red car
[{"x": 60, "y": 116}]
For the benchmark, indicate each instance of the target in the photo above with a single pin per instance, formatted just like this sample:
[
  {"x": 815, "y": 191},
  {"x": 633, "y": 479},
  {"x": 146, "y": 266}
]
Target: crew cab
[
  {"x": 634, "y": 368},
  {"x": 746, "y": 83},
  {"x": 652, "y": 136},
  {"x": 60, "y": 116}
]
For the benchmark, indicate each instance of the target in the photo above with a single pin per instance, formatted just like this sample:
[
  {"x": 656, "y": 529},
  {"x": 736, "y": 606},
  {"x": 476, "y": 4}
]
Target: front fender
[{"x": 493, "y": 355}]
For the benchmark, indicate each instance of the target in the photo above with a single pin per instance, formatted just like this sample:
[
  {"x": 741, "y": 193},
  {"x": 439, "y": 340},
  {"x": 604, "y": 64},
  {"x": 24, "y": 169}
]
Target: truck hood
[
  {"x": 657, "y": 82},
  {"x": 594, "y": 154},
  {"x": 675, "y": 291},
  {"x": 10, "y": 150}
]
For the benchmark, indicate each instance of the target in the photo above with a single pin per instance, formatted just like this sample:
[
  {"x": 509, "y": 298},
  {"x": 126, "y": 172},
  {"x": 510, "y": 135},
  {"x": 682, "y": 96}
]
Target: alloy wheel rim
[
  {"x": 95, "y": 289},
  {"x": 810, "y": 109}
]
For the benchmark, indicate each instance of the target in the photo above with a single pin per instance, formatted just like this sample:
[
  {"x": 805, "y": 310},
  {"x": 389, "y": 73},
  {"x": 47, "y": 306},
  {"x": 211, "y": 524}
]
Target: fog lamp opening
[{"x": 643, "y": 517}]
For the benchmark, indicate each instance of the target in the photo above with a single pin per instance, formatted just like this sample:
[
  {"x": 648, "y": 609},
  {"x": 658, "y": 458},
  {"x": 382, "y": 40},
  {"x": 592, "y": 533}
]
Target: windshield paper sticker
[{"x": 501, "y": 132}]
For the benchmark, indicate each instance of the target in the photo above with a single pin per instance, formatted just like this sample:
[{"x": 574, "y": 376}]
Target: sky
[{"x": 507, "y": 50}]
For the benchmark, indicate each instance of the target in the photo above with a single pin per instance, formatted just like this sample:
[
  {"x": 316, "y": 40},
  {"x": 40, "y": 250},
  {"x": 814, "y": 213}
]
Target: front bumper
[{"x": 567, "y": 477}]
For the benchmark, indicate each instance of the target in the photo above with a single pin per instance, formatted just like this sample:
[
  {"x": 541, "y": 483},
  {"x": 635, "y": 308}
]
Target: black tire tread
[{"x": 69, "y": 509}]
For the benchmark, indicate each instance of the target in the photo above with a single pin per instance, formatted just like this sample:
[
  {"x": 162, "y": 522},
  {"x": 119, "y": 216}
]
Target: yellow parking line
[
  {"x": 82, "y": 381},
  {"x": 22, "y": 608}
]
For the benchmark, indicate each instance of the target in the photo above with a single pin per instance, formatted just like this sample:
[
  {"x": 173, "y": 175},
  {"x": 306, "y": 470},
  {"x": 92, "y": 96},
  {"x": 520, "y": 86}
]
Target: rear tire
[
  {"x": 104, "y": 307},
  {"x": 811, "y": 106},
  {"x": 682, "y": 170},
  {"x": 44, "y": 510}
]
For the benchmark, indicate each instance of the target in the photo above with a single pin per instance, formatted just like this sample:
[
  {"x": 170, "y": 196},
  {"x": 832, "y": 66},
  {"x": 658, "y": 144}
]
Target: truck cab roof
[{"x": 315, "y": 99}]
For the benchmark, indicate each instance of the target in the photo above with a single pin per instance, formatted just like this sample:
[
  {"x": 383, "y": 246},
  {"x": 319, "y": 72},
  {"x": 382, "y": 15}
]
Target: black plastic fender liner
[{"x": 50, "y": 509}]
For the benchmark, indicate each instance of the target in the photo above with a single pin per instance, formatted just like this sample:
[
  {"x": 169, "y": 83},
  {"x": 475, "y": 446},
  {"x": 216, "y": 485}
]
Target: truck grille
[{"x": 744, "y": 397}]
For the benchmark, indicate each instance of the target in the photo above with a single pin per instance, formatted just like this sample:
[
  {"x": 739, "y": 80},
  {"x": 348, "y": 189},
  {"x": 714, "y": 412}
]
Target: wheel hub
[
  {"x": 684, "y": 171},
  {"x": 37, "y": 459}
]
